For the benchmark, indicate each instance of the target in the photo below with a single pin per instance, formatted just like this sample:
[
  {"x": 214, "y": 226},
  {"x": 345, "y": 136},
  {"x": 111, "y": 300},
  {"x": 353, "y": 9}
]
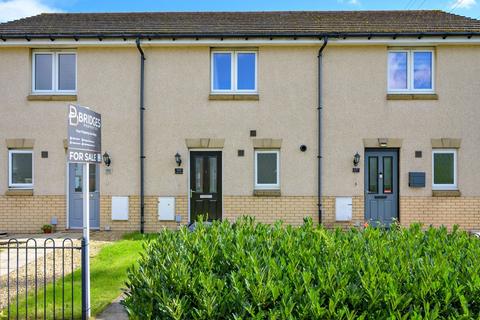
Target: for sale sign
[{"x": 84, "y": 135}]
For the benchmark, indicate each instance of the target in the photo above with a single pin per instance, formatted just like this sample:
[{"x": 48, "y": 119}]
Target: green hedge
[{"x": 249, "y": 270}]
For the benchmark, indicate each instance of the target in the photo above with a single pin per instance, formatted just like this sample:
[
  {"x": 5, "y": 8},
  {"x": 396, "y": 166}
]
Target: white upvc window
[
  {"x": 20, "y": 169},
  {"x": 411, "y": 71},
  {"x": 444, "y": 169},
  {"x": 54, "y": 72},
  {"x": 267, "y": 169},
  {"x": 233, "y": 71}
]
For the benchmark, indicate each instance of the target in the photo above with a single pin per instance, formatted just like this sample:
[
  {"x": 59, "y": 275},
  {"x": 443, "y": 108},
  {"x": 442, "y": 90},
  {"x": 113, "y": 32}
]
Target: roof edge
[{"x": 52, "y": 37}]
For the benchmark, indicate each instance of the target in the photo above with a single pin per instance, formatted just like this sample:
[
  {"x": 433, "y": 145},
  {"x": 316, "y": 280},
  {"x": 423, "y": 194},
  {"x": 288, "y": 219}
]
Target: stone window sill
[
  {"x": 267, "y": 193},
  {"x": 238, "y": 97},
  {"x": 412, "y": 96},
  {"x": 19, "y": 192},
  {"x": 52, "y": 97},
  {"x": 446, "y": 193}
]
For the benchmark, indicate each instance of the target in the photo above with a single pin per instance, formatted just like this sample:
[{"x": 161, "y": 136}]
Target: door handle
[{"x": 191, "y": 193}]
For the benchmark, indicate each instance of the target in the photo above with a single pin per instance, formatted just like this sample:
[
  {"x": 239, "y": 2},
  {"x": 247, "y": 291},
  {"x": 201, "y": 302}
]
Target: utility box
[
  {"x": 416, "y": 179},
  {"x": 166, "y": 208},
  {"x": 343, "y": 208},
  {"x": 120, "y": 208}
]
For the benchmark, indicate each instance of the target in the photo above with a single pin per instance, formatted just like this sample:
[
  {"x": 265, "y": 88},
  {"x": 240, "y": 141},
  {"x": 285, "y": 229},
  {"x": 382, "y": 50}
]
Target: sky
[{"x": 15, "y": 9}]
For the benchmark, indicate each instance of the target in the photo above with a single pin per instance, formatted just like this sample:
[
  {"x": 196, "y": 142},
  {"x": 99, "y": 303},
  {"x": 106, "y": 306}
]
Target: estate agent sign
[
  {"x": 84, "y": 135},
  {"x": 85, "y": 146}
]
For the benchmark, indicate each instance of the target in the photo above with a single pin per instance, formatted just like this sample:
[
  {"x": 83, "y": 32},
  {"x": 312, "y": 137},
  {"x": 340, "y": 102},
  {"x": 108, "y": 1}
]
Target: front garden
[
  {"x": 249, "y": 270},
  {"x": 107, "y": 272}
]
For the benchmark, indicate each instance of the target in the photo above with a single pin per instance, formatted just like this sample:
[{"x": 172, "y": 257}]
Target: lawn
[{"x": 108, "y": 274}]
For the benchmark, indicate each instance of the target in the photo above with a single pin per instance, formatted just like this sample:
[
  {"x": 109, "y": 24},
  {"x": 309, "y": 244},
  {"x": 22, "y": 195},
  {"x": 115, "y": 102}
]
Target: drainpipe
[
  {"x": 142, "y": 154},
  {"x": 320, "y": 107}
]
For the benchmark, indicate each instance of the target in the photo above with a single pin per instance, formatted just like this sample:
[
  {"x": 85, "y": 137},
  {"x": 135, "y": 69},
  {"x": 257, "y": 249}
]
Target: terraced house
[{"x": 375, "y": 113}]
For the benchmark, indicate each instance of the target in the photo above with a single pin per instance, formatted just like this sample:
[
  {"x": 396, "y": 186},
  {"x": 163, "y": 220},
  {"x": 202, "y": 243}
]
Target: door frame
[
  {"x": 189, "y": 174},
  {"x": 397, "y": 150},
  {"x": 67, "y": 188}
]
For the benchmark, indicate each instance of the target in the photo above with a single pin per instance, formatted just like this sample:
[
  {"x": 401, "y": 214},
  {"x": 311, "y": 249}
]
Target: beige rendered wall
[
  {"x": 356, "y": 108},
  {"x": 177, "y": 89}
]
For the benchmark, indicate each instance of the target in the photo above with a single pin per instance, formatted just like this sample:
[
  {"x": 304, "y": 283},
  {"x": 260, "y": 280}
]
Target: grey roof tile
[{"x": 241, "y": 23}]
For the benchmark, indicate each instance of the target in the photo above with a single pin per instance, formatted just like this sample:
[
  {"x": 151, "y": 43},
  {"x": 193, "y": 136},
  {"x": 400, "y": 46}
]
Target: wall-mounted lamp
[
  {"x": 106, "y": 159},
  {"x": 356, "y": 159},
  {"x": 178, "y": 159}
]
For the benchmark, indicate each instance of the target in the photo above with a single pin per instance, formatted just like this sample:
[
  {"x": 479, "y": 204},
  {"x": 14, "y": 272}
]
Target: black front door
[
  {"x": 206, "y": 185},
  {"x": 381, "y": 186}
]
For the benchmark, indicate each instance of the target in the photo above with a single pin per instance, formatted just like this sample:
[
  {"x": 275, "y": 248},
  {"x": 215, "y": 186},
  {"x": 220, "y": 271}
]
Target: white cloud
[
  {"x": 16, "y": 9},
  {"x": 463, "y": 4},
  {"x": 351, "y": 2}
]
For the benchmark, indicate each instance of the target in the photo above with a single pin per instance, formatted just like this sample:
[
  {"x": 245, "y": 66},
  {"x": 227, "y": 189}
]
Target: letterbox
[{"x": 416, "y": 179}]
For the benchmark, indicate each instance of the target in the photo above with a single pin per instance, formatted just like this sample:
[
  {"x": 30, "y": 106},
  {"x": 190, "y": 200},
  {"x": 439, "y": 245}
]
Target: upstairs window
[
  {"x": 20, "y": 169},
  {"x": 234, "y": 72},
  {"x": 410, "y": 71},
  {"x": 54, "y": 72},
  {"x": 444, "y": 169},
  {"x": 267, "y": 171}
]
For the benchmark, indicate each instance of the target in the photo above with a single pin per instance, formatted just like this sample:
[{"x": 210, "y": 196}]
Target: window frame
[
  {"x": 410, "y": 71},
  {"x": 55, "y": 68},
  {"x": 265, "y": 186},
  {"x": 12, "y": 185},
  {"x": 442, "y": 186},
  {"x": 233, "y": 72}
]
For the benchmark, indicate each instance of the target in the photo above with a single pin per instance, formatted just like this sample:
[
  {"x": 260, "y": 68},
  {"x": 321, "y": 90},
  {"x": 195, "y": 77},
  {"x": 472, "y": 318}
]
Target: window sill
[
  {"x": 412, "y": 96},
  {"x": 266, "y": 193},
  {"x": 234, "y": 96},
  {"x": 52, "y": 97},
  {"x": 446, "y": 193},
  {"x": 19, "y": 192}
]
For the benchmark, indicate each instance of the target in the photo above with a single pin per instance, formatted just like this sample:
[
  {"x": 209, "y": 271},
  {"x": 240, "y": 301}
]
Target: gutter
[
  {"x": 142, "y": 154},
  {"x": 320, "y": 107},
  {"x": 150, "y": 36}
]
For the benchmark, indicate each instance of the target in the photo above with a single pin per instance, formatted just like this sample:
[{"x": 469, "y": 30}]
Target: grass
[{"x": 108, "y": 272}]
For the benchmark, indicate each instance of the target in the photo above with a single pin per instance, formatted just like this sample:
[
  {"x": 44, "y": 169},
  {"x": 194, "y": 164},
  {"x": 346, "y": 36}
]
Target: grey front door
[
  {"x": 381, "y": 186},
  {"x": 75, "y": 203},
  {"x": 206, "y": 185}
]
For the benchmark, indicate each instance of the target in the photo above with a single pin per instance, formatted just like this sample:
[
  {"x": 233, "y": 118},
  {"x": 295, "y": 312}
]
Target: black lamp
[
  {"x": 178, "y": 159},
  {"x": 106, "y": 159},
  {"x": 356, "y": 159}
]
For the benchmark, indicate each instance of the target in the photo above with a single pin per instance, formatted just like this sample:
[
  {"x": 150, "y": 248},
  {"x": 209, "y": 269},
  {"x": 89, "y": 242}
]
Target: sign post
[{"x": 84, "y": 146}]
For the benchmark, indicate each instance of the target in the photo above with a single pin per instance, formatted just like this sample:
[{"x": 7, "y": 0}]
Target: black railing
[{"x": 26, "y": 279}]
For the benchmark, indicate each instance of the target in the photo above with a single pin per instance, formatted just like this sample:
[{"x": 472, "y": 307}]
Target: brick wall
[
  {"x": 291, "y": 210},
  {"x": 27, "y": 214},
  {"x": 152, "y": 223},
  {"x": 437, "y": 211},
  {"x": 358, "y": 219}
]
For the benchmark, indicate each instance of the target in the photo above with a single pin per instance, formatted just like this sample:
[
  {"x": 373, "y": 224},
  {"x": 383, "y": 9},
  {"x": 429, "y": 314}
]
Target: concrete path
[{"x": 114, "y": 311}]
